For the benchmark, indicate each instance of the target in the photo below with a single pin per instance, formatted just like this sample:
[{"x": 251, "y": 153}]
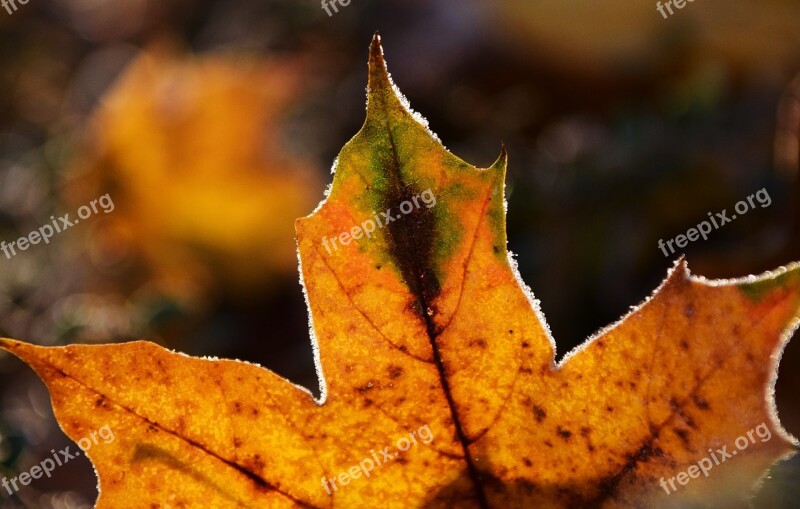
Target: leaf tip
[
  {"x": 16, "y": 348},
  {"x": 378, "y": 74},
  {"x": 502, "y": 159},
  {"x": 8, "y": 344},
  {"x": 680, "y": 270}
]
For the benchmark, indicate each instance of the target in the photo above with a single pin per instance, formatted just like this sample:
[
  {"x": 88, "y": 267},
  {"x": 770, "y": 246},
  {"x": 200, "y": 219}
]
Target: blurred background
[{"x": 213, "y": 124}]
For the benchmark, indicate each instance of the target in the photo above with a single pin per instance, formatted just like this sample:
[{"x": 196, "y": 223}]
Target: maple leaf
[{"x": 440, "y": 386}]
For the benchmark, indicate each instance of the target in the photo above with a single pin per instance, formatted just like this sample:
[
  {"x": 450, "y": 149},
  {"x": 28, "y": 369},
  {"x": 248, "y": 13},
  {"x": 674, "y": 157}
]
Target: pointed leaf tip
[
  {"x": 502, "y": 159},
  {"x": 378, "y": 73},
  {"x": 375, "y": 45},
  {"x": 6, "y": 343}
]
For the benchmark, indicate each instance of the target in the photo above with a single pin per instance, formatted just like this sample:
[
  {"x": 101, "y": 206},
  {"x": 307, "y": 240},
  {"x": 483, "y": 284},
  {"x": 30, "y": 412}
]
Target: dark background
[{"x": 622, "y": 128}]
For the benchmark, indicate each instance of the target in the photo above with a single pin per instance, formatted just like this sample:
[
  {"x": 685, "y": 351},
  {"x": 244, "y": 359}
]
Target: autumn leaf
[
  {"x": 440, "y": 386},
  {"x": 192, "y": 151}
]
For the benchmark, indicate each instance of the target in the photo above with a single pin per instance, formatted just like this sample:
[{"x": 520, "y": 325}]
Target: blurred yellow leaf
[{"x": 191, "y": 150}]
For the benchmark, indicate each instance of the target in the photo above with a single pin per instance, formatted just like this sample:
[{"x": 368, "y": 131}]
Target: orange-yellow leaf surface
[
  {"x": 440, "y": 382},
  {"x": 191, "y": 151}
]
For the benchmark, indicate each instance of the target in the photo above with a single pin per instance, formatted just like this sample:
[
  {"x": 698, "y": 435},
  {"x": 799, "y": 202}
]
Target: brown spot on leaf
[
  {"x": 684, "y": 436},
  {"x": 700, "y": 402},
  {"x": 365, "y": 388},
  {"x": 539, "y": 413}
]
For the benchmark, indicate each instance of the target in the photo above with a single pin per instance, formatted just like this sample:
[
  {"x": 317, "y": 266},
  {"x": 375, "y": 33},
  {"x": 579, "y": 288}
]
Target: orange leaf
[
  {"x": 193, "y": 150},
  {"x": 440, "y": 385}
]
